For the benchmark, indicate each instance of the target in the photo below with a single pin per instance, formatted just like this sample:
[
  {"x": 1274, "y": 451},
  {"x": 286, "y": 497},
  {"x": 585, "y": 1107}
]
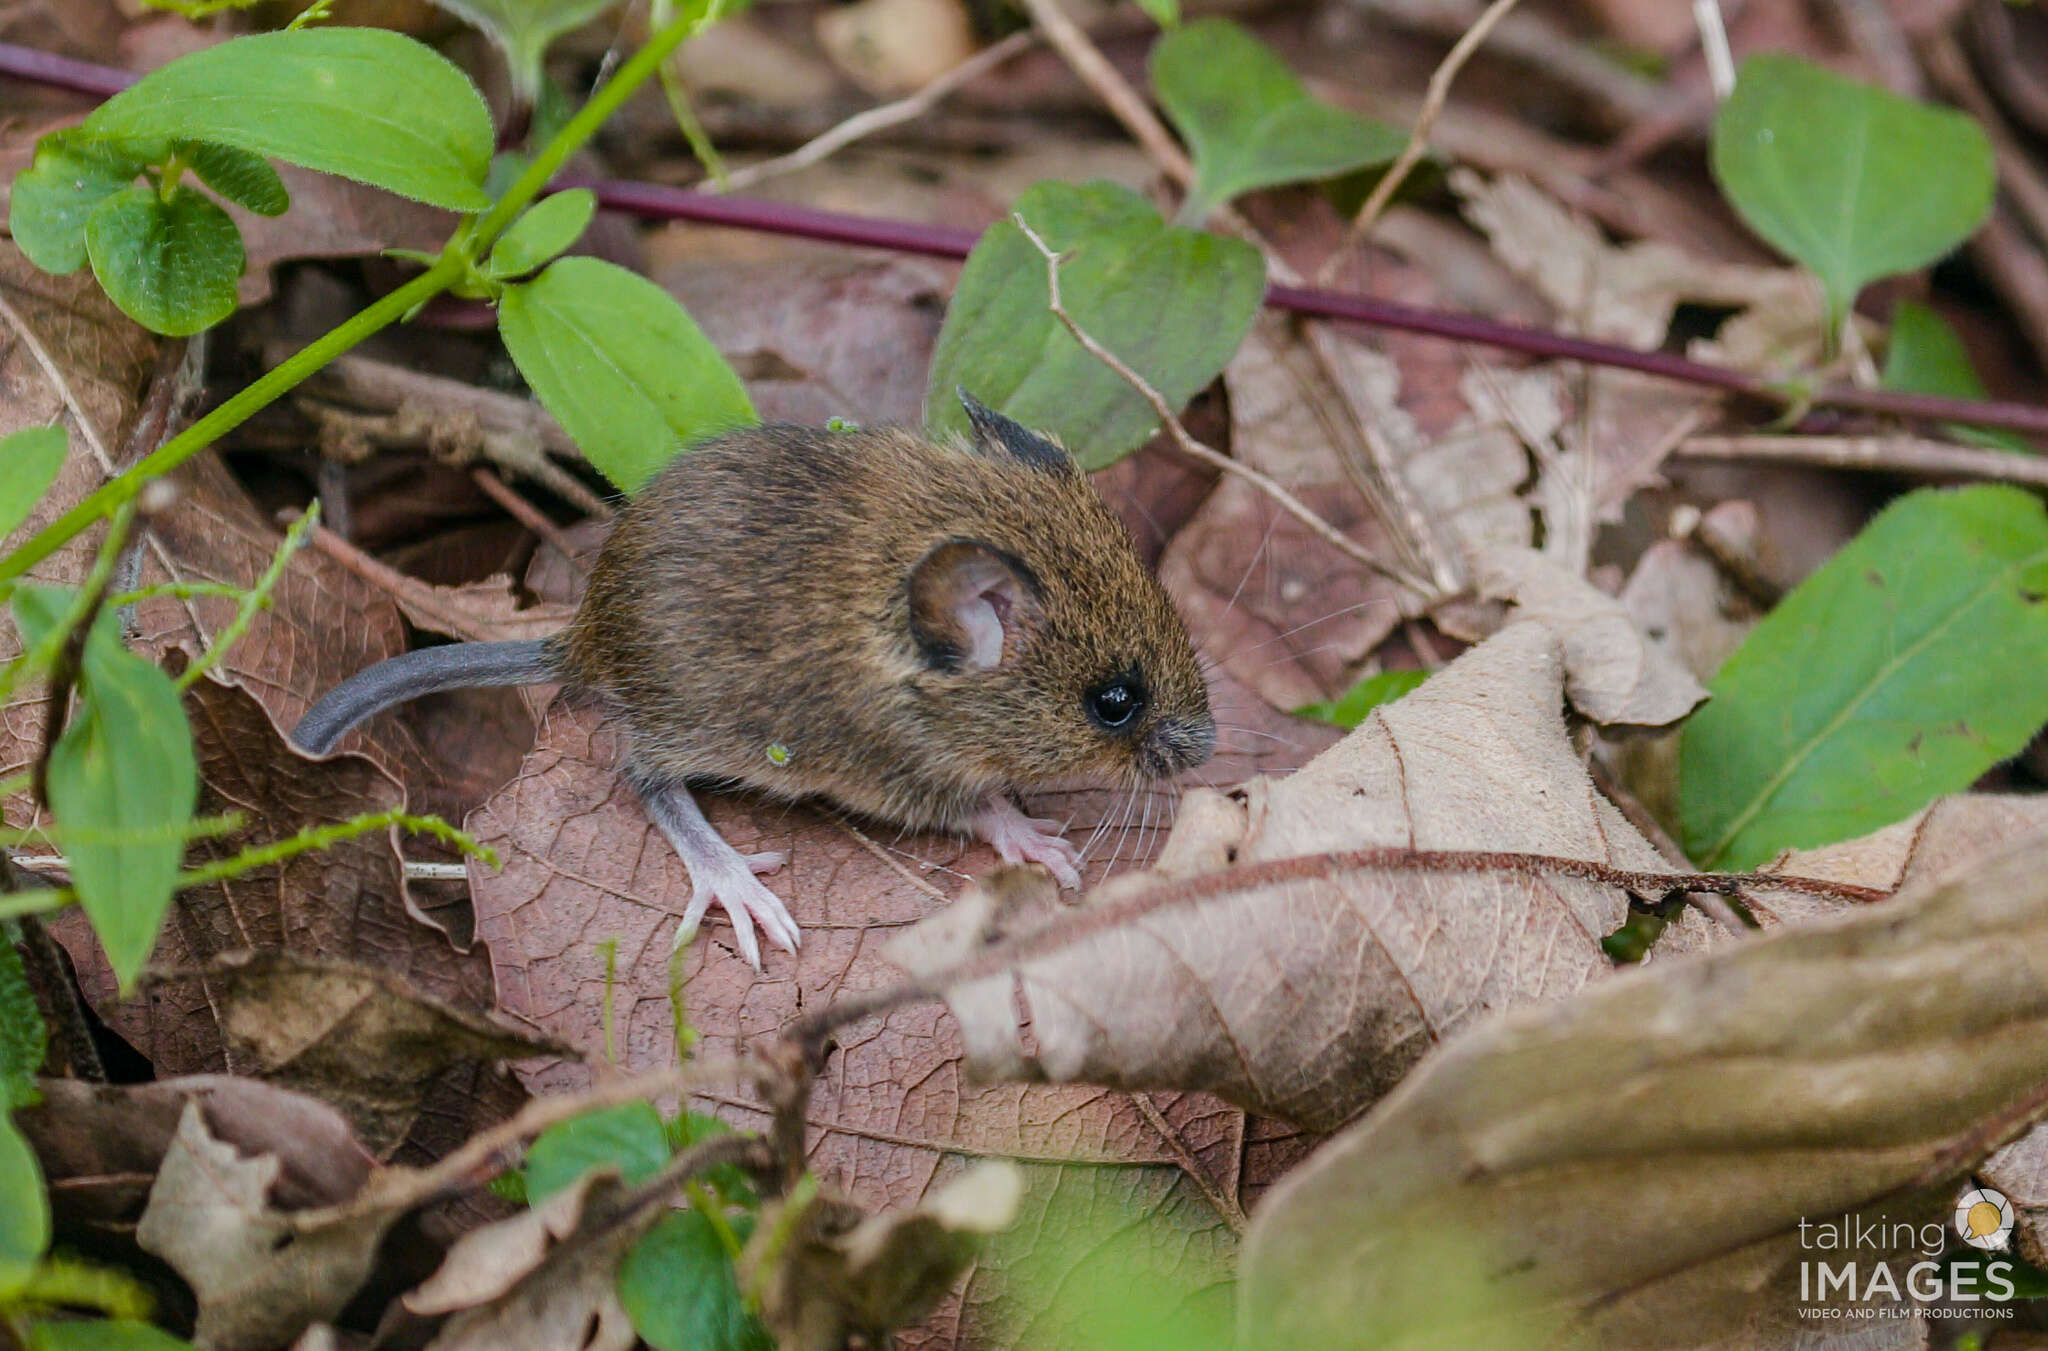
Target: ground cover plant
[{"x": 1602, "y": 476}]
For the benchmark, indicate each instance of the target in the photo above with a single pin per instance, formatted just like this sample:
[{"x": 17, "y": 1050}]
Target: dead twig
[
  {"x": 526, "y": 513},
  {"x": 1124, "y": 103},
  {"x": 873, "y": 120},
  {"x": 1433, "y": 99},
  {"x": 1912, "y": 456},
  {"x": 1087, "y": 921},
  {"x": 1208, "y": 455}
]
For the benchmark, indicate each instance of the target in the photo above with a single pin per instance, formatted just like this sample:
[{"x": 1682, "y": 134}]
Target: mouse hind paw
[{"x": 721, "y": 875}]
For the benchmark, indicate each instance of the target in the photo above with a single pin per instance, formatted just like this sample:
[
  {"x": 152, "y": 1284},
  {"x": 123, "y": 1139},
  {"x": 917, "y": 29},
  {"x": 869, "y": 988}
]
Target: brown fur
[{"x": 757, "y": 594}]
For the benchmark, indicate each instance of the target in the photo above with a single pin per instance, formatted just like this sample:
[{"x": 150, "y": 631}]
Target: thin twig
[
  {"x": 1086, "y": 922},
  {"x": 1913, "y": 456},
  {"x": 867, "y": 123},
  {"x": 1087, "y": 61},
  {"x": 526, "y": 513},
  {"x": 1433, "y": 100},
  {"x": 1208, "y": 455}
]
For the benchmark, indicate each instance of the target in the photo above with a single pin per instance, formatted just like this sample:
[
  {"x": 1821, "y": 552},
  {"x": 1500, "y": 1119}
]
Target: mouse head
[{"x": 1059, "y": 652}]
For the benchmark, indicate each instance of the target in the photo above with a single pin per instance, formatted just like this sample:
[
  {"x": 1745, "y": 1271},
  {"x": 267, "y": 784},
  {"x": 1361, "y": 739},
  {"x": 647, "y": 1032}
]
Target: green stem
[
  {"x": 320, "y": 837},
  {"x": 16, "y": 904},
  {"x": 579, "y": 129},
  {"x": 254, "y": 599},
  {"x": 117, "y": 492}
]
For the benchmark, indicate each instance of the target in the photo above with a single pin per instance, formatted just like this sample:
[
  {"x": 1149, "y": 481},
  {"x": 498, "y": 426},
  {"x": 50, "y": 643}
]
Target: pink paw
[{"x": 1018, "y": 838}]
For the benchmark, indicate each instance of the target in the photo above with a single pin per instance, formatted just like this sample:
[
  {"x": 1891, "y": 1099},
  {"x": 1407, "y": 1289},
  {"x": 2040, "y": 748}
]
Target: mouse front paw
[{"x": 1018, "y": 838}]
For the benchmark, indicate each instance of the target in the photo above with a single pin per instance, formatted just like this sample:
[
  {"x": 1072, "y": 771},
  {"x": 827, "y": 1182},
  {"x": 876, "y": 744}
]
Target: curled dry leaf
[
  {"x": 569, "y": 1295},
  {"x": 101, "y": 1144},
  {"x": 1309, "y": 998},
  {"x": 486, "y": 1263},
  {"x": 1631, "y": 1166},
  {"x": 1613, "y": 673},
  {"x": 260, "y": 1278},
  {"x": 844, "y": 1277},
  {"x": 352, "y": 1035}
]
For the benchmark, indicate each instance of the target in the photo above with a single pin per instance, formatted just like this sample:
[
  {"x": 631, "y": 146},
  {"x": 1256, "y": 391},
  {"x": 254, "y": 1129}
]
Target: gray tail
[{"x": 455, "y": 666}]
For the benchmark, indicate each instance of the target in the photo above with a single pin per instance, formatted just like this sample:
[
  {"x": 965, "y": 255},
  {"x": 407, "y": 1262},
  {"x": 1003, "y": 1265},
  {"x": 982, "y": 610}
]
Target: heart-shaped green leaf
[
  {"x": 1173, "y": 304},
  {"x": 24, "y": 1210},
  {"x": 1249, "y": 122},
  {"x": 170, "y": 265},
  {"x": 1902, "y": 669},
  {"x": 123, "y": 783},
  {"x": 678, "y": 1287},
  {"x": 29, "y": 461},
  {"x": 621, "y": 365},
  {"x": 241, "y": 176},
  {"x": 541, "y": 233},
  {"x": 1853, "y": 181},
  {"x": 1924, "y": 356},
  {"x": 524, "y": 28},
  {"x": 51, "y": 200},
  {"x": 363, "y": 103},
  {"x": 628, "y": 1137}
]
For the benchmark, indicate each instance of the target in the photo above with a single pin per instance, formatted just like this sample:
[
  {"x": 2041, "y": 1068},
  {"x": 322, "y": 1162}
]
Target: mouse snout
[{"x": 1176, "y": 744}]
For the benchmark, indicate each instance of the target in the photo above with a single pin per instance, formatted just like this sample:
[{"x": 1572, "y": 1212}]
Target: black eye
[{"x": 1117, "y": 703}]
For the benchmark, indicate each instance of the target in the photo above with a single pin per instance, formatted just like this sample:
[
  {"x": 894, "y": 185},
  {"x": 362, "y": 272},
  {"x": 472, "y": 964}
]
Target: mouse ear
[
  {"x": 996, "y": 435},
  {"x": 968, "y": 605}
]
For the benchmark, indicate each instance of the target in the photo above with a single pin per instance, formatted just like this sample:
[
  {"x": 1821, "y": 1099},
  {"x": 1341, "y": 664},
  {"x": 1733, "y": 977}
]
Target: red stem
[{"x": 657, "y": 202}]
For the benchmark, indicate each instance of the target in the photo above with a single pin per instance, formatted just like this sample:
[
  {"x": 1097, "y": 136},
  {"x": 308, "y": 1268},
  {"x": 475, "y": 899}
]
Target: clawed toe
[{"x": 766, "y": 862}]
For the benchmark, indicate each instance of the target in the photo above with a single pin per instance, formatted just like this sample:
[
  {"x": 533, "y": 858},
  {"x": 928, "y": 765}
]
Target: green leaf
[
  {"x": 29, "y": 461},
  {"x": 1925, "y": 356},
  {"x": 546, "y": 229},
  {"x": 524, "y": 28},
  {"x": 24, "y": 1210},
  {"x": 678, "y": 1287},
  {"x": 171, "y": 266},
  {"x": 730, "y": 1180},
  {"x": 24, "y": 1040},
  {"x": 1165, "y": 13},
  {"x": 1249, "y": 122},
  {"x": 1855, "y": 182},
  {"x": 621, "y": 365},
  {"x": 51, "y": 200},
  {"x": 103, "y": 1334},
  {"x": 1172, "y": 304},
  {"x": 123, "y": 783},
  {"x": 1349, "y": 709},
  {"x": 244, "y": 178},
  {"x": 628, "y": 1137},
  {"x": 363, "y": 103},
  {"x": 1901, "y": 670}
]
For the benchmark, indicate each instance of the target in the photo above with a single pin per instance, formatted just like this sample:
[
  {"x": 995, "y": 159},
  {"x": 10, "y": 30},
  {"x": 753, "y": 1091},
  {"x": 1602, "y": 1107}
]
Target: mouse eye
[{"x": 1118, "y": 703}]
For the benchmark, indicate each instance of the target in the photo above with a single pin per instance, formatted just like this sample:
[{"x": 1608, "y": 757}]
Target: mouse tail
[{"x": 453, "y": 666}]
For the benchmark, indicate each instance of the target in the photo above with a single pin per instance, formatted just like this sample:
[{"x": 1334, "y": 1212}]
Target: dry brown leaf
[
  {"x": 259, "y": 1278},
  {"x": 893, "y": 1114},
  {"x": 843, "y": 1277},
  {"x": 566, "y": 1296},
  {"x": 1634, "y": 1163},
  {"x": 1309, "y": 999},
  {"x": 351, "y": 1035},
  {"x": 486, "y": 1263},
  {"x": 101, "y": 1144}
]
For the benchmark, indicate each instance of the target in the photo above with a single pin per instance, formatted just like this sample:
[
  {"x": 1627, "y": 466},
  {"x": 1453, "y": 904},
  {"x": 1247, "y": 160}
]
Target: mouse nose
[{"x": 1179, "y": 743}]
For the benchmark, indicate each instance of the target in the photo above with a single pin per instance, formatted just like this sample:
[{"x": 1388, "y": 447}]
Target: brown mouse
[{"x": 913, "y": 630}]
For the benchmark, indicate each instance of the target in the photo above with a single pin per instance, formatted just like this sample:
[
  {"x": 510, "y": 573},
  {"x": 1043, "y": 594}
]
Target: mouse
[{"x": 917, "y": 629}]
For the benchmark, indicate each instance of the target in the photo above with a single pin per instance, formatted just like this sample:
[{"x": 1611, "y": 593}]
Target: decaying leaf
[
  {"x": 260, "y": 1278},
  {"x": 844, "y": 1277},
  {"x": 353, "y": 1036},
  {"x": 1634, "y": 1163},
  {"x": 1613, "y": 673},
  {"x": 1309, "y": 998},
  {"x": 569, "y": 1297},
  {"x": 487, "y": 1262}
]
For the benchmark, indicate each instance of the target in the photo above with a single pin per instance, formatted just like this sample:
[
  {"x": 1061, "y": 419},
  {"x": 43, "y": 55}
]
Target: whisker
[
  {"x": 1335, "y": 614},
  {"x": 1272, "y": 524}
]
